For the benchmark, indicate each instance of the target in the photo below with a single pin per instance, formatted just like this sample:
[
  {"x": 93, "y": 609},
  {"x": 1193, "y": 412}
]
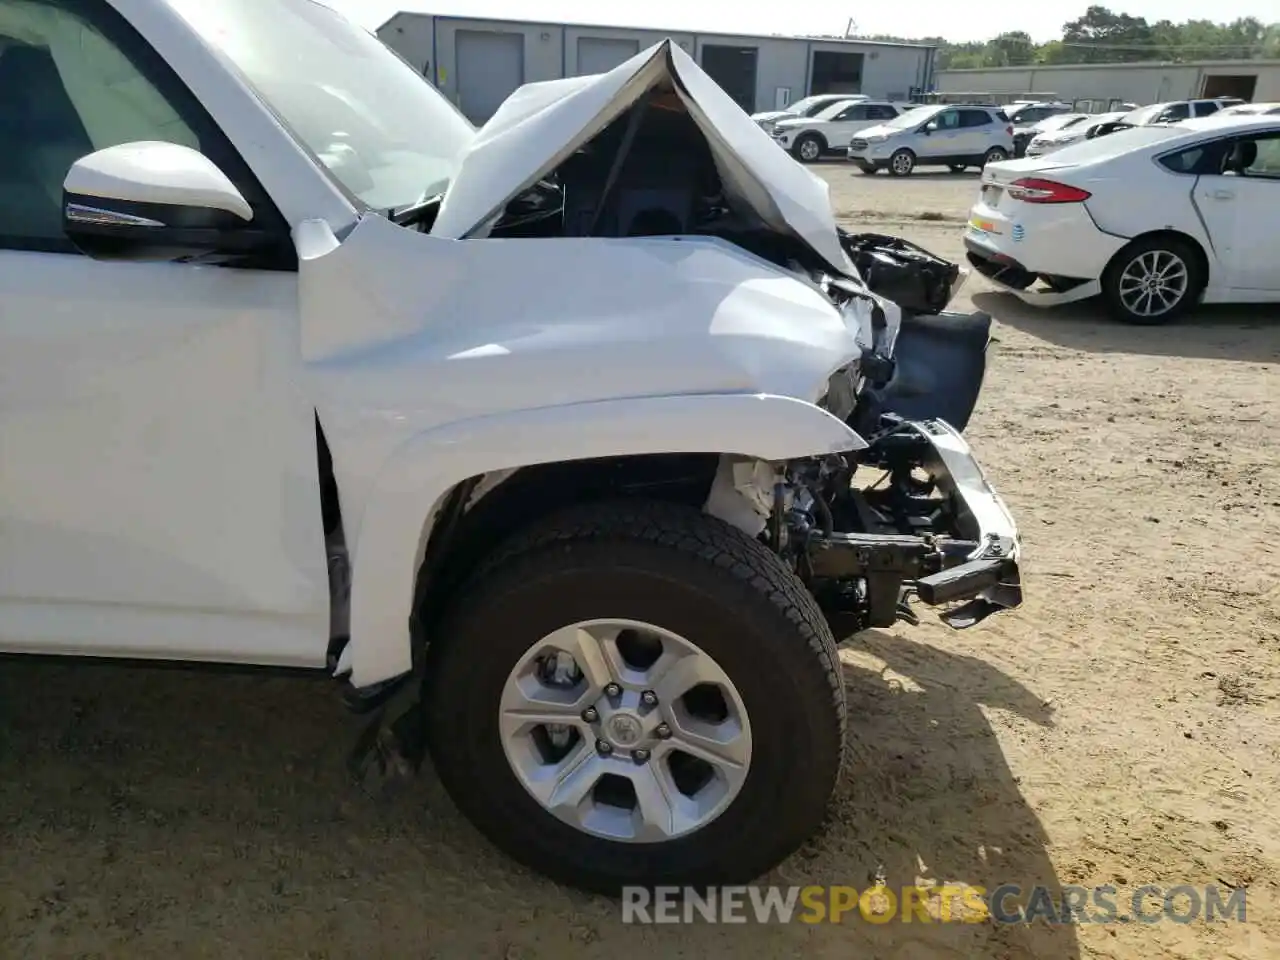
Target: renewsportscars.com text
[{"x": 944, "y": 903}]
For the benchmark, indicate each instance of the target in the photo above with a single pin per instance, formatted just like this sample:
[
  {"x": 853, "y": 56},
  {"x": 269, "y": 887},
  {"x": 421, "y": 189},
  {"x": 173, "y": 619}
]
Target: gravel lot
[{"x": 1121, "y": 728}]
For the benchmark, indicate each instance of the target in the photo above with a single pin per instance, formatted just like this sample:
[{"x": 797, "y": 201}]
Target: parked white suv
[
  {"x": 829, "y": 131},
  {"x": 1176, "y": 111},
  {"x": 955, "y": 136},
  {"x": 576, "y": 511},
  {"x": 802, "y": 108}
]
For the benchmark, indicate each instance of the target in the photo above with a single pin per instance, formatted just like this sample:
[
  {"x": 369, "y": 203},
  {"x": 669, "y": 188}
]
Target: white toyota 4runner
[{"x": 564, "y": 444}]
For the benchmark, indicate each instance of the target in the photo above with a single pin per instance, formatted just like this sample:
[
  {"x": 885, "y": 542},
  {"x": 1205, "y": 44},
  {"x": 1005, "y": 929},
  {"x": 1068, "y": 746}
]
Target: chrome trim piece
[{"x": 82, "y": 213}]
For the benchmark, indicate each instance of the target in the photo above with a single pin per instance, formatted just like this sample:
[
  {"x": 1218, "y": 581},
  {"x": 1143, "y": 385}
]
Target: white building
[
  {"x": 478, "y": 63},
  {"x": 1256, "y": 80}
]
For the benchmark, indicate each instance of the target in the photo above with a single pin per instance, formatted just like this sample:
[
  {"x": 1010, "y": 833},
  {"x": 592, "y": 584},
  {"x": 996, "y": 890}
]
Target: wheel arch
[
  {"x": 1205, "y": 263},
  {"x": 581, "y": 448},
  {"x": 811, "y": 134}
]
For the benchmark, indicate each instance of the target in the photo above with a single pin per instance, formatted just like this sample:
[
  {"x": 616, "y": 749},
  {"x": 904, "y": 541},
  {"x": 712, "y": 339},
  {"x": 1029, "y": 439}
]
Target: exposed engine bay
[{"x": 909, "y": 516}]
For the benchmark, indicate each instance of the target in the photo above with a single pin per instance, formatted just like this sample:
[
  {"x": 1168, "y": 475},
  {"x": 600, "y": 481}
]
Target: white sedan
[
  {"x": 1064, "y": 135},
  {"x": 1153, "y": 219}
]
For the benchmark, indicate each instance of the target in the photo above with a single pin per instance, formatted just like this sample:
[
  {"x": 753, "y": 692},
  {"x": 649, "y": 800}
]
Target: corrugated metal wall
[
  {"x": 1145, "y": 83},
  {"x": 441, "y": 47}
]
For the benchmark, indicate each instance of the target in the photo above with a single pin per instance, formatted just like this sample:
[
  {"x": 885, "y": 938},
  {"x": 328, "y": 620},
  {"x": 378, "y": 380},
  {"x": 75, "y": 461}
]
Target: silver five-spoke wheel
[{"x": 625, "y": 730}]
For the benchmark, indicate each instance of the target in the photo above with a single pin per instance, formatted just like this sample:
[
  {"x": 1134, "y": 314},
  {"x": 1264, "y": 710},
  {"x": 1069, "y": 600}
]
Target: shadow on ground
[
  {"x": 1249, "y": 333},
  {"x": 150, "y": 812}
]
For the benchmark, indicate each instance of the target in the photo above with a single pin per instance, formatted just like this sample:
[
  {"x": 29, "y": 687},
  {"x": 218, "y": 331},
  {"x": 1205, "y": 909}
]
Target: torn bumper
[
  {"x": 1008, "y": 275},
  {"x": 972, "y": 562}
]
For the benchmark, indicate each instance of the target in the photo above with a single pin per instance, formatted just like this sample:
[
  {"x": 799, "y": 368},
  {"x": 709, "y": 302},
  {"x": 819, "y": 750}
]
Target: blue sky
[{"x": 954, "y": 19}]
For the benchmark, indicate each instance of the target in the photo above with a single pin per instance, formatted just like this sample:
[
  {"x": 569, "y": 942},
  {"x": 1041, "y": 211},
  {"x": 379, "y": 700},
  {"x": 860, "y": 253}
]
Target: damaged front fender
[{"x": 412, "y": 486}]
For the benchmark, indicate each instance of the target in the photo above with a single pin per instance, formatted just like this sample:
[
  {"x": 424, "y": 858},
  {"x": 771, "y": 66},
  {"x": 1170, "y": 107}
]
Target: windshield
[
  {"x": 1060, "y": 122},
  {"x": 1143, "y": 115},
  {"x": 913, "y": 117},
  {"x": 832, "y": 109},
  {"x": 808, "y": 106},
  {"x": 382, "y": 131}
]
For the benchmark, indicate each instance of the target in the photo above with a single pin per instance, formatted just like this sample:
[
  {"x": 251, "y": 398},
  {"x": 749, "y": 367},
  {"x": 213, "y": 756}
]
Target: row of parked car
[{"x": 898, "y": 137}]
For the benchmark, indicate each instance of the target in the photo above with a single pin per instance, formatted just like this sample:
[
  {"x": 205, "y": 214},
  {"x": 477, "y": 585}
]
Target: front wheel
[
  {"x": 637, "y": 694},
  {"x": 957, "y": 167},
  {"x": 808, "y": 148},
  {"x": 1153, "y": 281},
  {"x": 902, "y": 163}
]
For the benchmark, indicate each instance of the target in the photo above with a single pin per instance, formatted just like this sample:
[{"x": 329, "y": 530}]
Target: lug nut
[
  {"x": 590, "y": 715},
  {"x": 649, "y": 698},
  {"x": 612, "y": 690},
  {"x": 663, "y": 731},
  {"x": 604, "y": 746},
  {"x": 639, "y": 756}
]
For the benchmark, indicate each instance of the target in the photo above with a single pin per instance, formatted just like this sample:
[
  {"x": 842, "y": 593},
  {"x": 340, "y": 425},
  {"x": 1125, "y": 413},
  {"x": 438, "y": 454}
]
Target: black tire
[
  {"x": 902, "y": 163},
  {"x": 995, "y": 155},
  {"x": 957, "y": 167},
  {"x": 809, "y": 148},
  {"x": 1174, "y": 246},
  {"x": 869, "y": 169},
  {"x": 692, "y": 574}
]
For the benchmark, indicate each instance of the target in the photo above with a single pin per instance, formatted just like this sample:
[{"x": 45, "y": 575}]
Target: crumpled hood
[{"x": 542, "y": 124}]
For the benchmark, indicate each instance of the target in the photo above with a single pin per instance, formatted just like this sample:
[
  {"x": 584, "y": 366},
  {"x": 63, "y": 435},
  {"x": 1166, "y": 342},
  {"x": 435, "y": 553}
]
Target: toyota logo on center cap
[{"x": 624, "y": 730}]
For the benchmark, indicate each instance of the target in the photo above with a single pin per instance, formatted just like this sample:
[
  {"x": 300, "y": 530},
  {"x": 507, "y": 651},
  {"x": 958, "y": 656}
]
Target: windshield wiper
[{"x": 416, "y": 212}]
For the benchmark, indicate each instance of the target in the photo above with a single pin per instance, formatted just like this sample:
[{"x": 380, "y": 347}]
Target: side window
[
  {"x": 881, "y": 111},
  {"x": 853, "y": 113},
  {"x": 1179, "y": 111},
  {"x": 74, "y": 78},
  {"x": 974, "y": 118},
  {"x": 1206, "y": 107},
  {"x": 948, "y": 120},
  {"x": 1254, "y": 157},
  {"x": 1204, "y": 158}
]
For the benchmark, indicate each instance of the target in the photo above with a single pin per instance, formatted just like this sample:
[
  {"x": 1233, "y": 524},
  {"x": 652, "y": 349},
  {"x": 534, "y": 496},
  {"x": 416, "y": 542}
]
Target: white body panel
[
  {"x": 1230, "y": 217},
  {"x": 158, "y": 485},
  {"x": 159, "y": 493}
]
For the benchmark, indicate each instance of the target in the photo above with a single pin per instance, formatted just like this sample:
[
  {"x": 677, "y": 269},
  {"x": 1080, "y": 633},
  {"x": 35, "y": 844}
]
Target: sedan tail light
[
  {"x": 1035, "y": 190},
  {"x": 1009, "y": 131}
]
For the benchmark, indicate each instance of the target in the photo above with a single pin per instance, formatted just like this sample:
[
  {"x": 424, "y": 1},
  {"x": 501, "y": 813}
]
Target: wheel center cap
[{"x": 624, "y": 729}]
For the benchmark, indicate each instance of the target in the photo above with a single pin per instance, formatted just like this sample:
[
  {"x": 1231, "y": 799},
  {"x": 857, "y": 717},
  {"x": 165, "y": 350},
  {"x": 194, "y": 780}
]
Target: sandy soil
[{"x": 1121, "y": 728}]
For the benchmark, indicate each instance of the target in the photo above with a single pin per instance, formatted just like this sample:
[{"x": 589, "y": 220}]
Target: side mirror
[
  {"x": 155, "y": 201},
  {"x": 929, "y": 127}
]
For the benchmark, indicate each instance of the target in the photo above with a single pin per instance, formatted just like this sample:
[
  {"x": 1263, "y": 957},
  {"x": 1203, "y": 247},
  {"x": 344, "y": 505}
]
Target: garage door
[
  {"x": 490, "y": 67},
  {"x": 602, "y": 54}
]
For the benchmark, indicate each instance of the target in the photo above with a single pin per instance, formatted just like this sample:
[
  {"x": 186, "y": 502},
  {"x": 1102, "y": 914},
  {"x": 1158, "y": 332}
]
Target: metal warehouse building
[
  {"x": 1257, "y": 80},
  {"x": 478, "y": 63}
]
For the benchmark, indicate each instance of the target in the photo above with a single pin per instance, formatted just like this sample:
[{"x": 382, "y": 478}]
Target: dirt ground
[{"x": 1122, "y": 728}]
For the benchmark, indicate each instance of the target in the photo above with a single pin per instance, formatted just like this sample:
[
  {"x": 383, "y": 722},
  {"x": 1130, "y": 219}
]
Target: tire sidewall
[
  {"x": 809, "y": 138},
  {"x": 995, "y": 155},
  {"x": 893, "y": 163},
  {"x": 1115, "y": 269},
  {"x": 794, "y": 757}
]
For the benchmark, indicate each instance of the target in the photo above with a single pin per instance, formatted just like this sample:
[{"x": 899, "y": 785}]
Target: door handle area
[{"x": 1223, "y": 194}]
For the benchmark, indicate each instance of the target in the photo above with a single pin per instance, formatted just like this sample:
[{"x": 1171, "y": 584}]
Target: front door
[
  {"x": 158, "y": 480},
  {"x": 945, "y": 136},
  {"x": 1241, "y": 208}
]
